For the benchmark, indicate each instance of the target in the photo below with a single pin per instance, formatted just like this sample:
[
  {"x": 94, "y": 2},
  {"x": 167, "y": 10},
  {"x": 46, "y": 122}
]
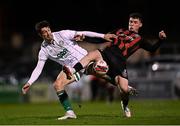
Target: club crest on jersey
[{"x": 61, "y": 42}]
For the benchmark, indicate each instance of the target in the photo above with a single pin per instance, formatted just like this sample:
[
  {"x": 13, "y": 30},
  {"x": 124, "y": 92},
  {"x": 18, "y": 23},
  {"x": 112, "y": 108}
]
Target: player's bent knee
[
  {"x": 123, "y": 89},
  {"x": 58, "y": 85},
  {"x": 126, "y": 90},
  {"x": 94, "y": 54}
]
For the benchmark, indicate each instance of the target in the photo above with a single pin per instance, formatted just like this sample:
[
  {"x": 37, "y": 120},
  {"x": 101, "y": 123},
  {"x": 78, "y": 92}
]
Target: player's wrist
[{"x": 28, "y": 83}]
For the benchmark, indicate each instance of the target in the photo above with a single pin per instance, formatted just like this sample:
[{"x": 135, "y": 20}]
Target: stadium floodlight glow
[{"x": 155, "y": 66}]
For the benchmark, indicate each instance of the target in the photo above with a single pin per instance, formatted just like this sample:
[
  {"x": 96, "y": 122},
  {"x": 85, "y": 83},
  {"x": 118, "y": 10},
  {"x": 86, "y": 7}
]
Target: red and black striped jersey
[{"x": 128, "y": 42}]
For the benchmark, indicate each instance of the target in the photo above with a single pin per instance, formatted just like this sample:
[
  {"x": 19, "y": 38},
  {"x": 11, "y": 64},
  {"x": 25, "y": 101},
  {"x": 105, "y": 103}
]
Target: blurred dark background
[{"x": 96, "y": 15}]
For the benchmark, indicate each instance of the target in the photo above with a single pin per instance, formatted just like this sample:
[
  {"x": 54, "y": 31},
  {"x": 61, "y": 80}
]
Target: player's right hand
[
  {"x": 79, "y": 38},
  {"x": 109, "y": 37},
  {"x": 25, "y": 88}
]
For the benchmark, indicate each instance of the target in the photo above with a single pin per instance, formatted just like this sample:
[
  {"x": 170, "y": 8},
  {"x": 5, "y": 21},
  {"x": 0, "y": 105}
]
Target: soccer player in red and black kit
[{"x": 127, "y": 42}]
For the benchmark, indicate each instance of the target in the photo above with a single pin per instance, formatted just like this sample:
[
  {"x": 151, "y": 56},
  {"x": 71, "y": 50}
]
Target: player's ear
[{"x": 140, "y": 24}]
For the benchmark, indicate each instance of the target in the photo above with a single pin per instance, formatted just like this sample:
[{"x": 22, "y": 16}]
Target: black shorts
[{"x": 116, "y": 62}]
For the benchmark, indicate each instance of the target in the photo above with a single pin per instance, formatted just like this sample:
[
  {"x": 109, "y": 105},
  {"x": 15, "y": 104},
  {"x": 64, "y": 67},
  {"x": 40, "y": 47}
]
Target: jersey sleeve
[
  {"x": 36, "y": 72},
  {"x": 90, "y": 34},
  {"x": 42, "y": 54},
  {"x": 42, "y": 57},
  {"x": 68, "y": 34},
  {"x": 150, "y": 43}
]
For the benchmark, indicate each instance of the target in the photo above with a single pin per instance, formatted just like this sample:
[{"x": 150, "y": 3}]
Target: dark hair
[
  {"x": 136, "y": 15},
  {"x": 41, "y": 24}
]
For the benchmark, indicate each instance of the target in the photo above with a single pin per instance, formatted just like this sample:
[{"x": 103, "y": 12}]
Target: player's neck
[{"x": 50, "y": 41}]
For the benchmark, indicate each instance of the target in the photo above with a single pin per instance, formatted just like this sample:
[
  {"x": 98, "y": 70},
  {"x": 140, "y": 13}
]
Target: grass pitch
[{"x": 145, "y": 112}]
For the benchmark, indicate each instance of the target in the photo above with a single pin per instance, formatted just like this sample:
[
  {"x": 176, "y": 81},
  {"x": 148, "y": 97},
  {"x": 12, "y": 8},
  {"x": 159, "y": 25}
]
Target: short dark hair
[
  {"x": 41, "y": 24},
  {"x": 136, "y": 15}
]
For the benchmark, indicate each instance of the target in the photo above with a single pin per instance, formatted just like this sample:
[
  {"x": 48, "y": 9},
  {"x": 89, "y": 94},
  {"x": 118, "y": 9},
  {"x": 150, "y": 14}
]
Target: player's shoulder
[
  {"x": 65, "y": 31},
  {"x": 43, "y": 49}
]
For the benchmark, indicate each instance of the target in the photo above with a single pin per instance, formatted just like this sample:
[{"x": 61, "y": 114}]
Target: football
[{"x": 100, "y": 67}]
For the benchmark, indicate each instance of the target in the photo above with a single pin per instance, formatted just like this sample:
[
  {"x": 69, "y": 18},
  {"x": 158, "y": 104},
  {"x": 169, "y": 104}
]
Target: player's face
[
  {"x": 134, "y": 24},
  {"x": 46, "y": 34}
]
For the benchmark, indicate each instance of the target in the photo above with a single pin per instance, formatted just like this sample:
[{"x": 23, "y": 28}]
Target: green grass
[{"x": 145, "y": 112}]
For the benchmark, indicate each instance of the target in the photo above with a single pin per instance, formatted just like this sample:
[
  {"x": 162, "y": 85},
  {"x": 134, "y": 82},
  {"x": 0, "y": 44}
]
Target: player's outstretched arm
[
  {"x": 80, "y": 35},
  {"x": 34, "y": 76}
]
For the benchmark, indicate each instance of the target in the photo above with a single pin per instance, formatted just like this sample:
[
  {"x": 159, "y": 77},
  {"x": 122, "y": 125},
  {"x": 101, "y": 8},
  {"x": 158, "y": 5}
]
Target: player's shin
[
  {"x": 124, "y": 105},
  {"x": 63, "y": 98},
  {"x": 125, "y": 99}
]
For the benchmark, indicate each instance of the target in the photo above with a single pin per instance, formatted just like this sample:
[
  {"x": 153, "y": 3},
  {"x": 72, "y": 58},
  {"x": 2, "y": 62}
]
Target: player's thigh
[{"x": 96, "y": 55}]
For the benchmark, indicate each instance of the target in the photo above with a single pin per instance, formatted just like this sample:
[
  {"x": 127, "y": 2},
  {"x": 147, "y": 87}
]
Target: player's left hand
[
  {"x": 25, "y": 88},
  {"x": 110, "y": 37},
  {"x": 162, "y": 35}
]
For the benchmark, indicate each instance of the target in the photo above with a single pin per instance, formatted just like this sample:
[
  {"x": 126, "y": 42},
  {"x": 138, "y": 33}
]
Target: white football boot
[
  {"x": 68, "y": 115},
  {"x": 126, "y": 110}
]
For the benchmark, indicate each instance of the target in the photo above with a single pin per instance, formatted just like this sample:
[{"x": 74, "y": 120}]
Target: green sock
[{"x": 63, "y": 98}]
